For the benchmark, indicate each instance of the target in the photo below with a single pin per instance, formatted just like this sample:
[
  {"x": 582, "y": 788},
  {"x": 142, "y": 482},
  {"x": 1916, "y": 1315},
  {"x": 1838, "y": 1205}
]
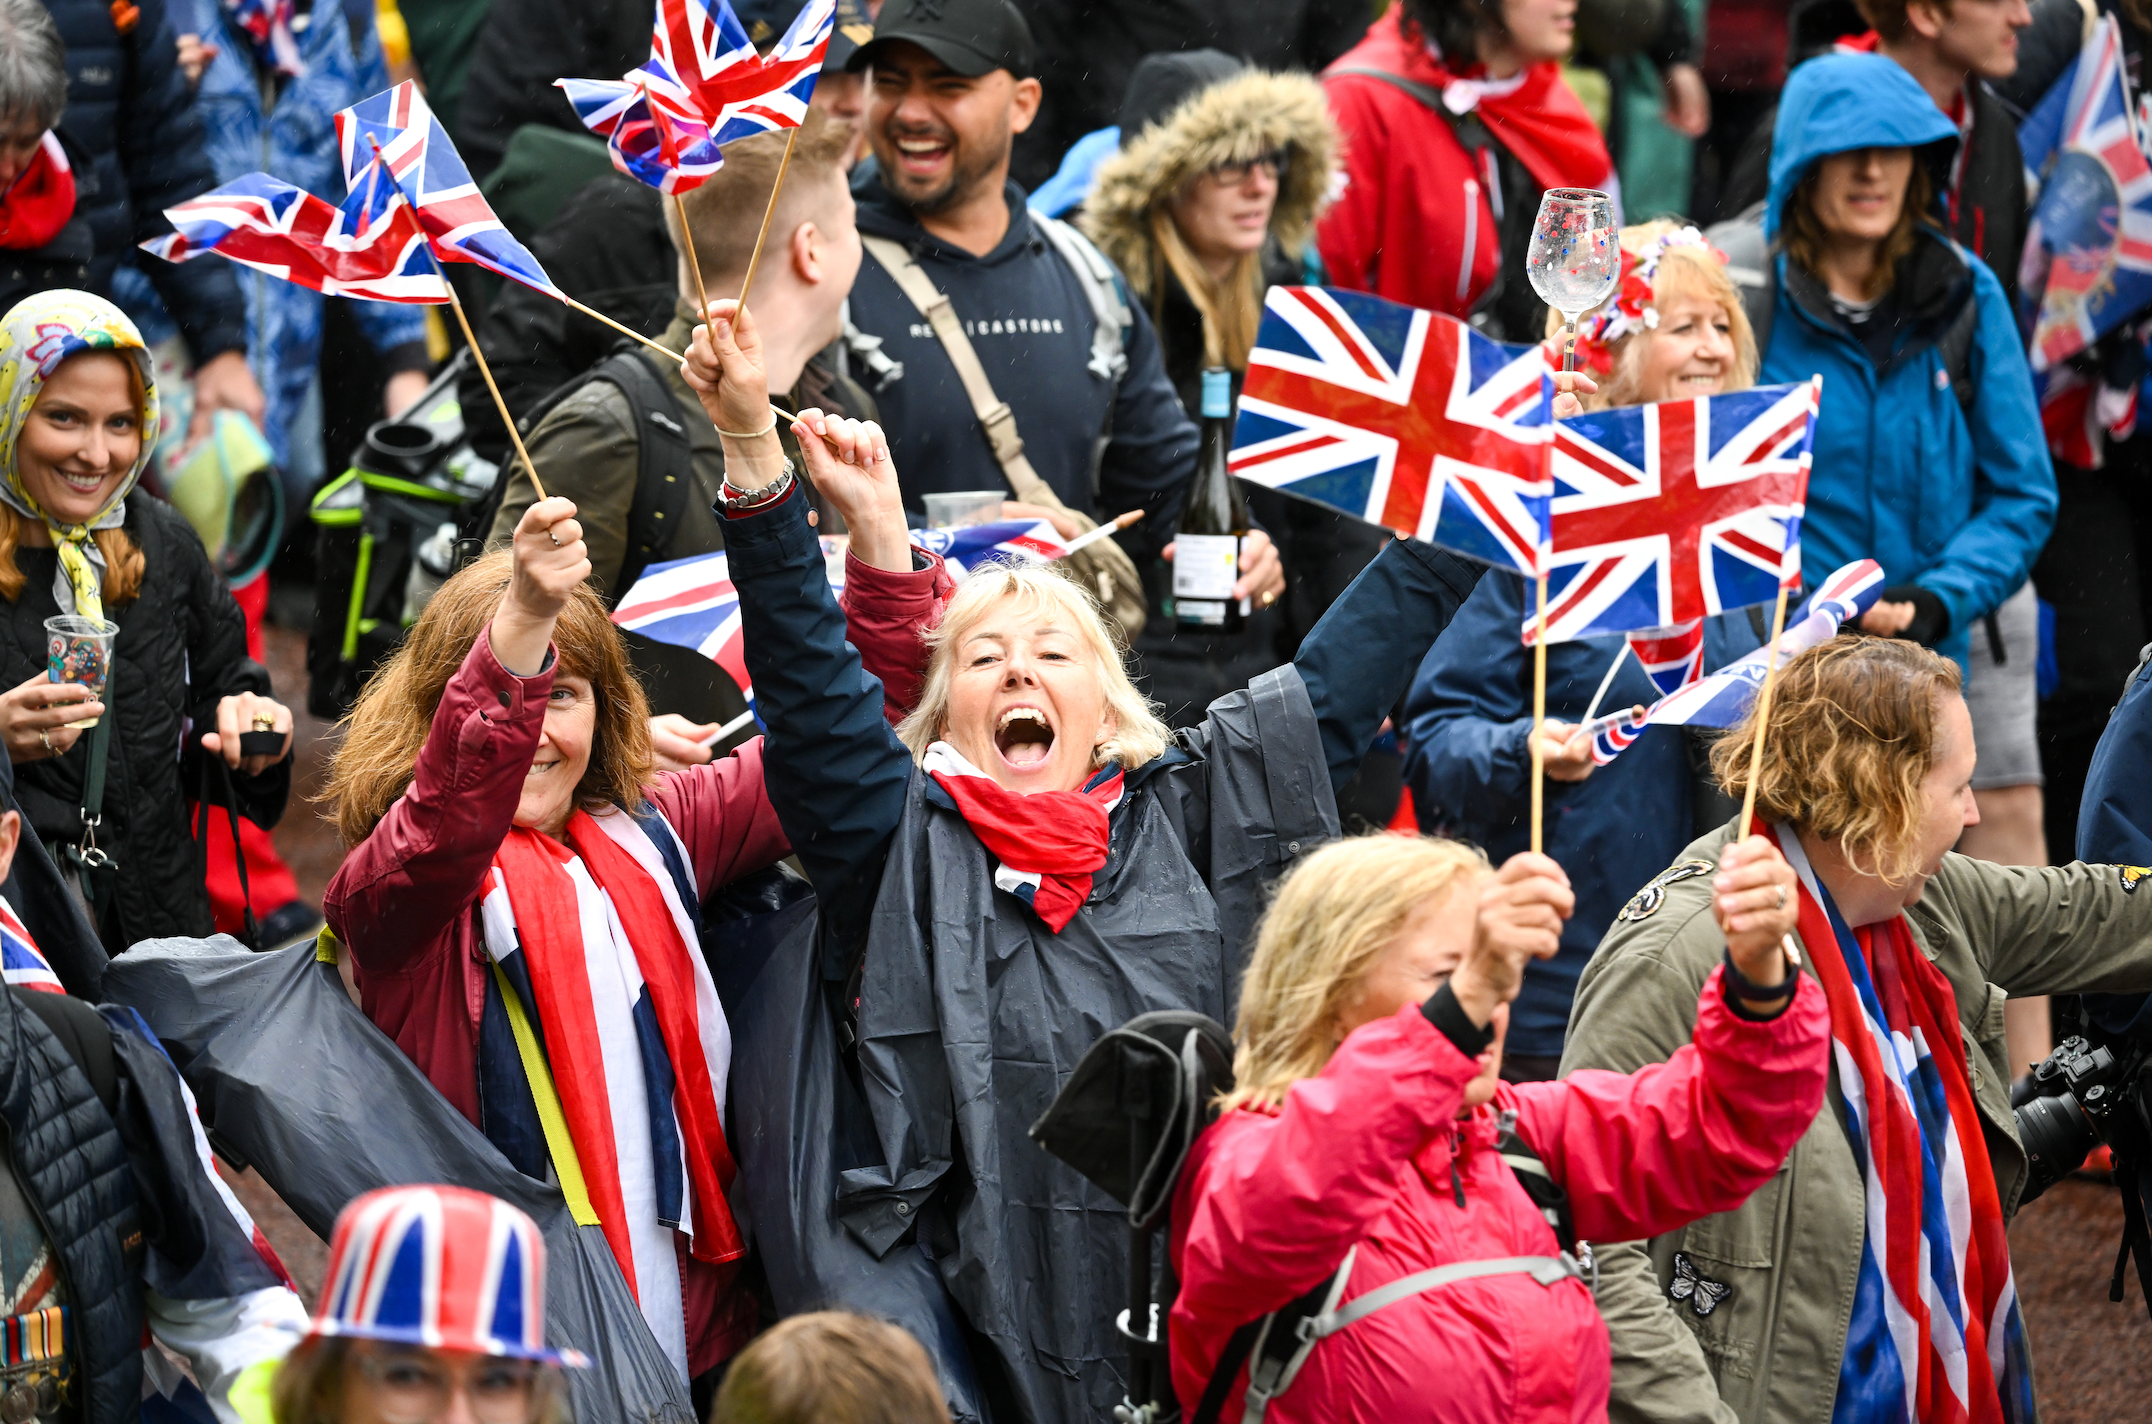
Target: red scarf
[
  {"x": 1541, "y": 123},
  {"x": 40, "y": 201},
  {"x": 548, "y": 924},
  {"x": 1050, "y": 844}
]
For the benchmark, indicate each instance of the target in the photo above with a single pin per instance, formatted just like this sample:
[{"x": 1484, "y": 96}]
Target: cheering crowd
[{"x": 824, "y": 928}]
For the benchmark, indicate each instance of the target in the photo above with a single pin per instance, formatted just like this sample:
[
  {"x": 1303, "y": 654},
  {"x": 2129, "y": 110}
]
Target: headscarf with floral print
[{"x": 35, "y": 337}]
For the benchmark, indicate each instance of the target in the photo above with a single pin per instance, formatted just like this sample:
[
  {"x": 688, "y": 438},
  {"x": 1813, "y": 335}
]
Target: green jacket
[
  {"x": 588, "y": 449},
  {"x": 1771, "y": 1349}
]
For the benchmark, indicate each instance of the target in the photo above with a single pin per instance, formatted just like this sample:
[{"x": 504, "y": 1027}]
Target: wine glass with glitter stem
[{"x": 1574, "y": 260}]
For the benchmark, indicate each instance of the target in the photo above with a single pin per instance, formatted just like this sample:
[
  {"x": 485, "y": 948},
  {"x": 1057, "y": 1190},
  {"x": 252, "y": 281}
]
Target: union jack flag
[
  {"x": 287, "y": 232},
  {"x": 1671, "y": 657},
  {"x": 22, "y": 963},
  {"x": 742, "y": 93},
  {"x": 1672, "y": 512},
  {"x": 2092, "y": 227},
  {"x": 648, "y": 139},
  {"x": 1404, "y": 418},
  {"x": 689, "y": 603},
  {"x": 430, "y": 174},
  {"x": 1016, "y": 541}
]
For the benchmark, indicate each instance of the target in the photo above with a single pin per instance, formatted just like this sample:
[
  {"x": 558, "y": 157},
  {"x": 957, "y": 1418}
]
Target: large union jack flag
[
  {"x": 648, "y": 138},
  {"x": 287, "y": 232},
  {"x": 1672, "y": 512},
  {"x": 1405, "y": 418},
  {"x": 2092, "y": 227},
  {"x": 431, "y": 175}
]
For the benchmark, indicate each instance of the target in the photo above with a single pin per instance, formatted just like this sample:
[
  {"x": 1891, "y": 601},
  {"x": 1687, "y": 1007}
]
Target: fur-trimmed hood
[{"x": 1233, "y": 121}]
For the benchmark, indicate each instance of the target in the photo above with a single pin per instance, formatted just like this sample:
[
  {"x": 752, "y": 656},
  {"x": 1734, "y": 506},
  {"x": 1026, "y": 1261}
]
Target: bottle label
[{"x": 1205, "y": 566}]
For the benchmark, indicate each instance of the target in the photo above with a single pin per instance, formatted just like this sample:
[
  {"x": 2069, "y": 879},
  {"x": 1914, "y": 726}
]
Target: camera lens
[{"x": 2056, "y": 1135}]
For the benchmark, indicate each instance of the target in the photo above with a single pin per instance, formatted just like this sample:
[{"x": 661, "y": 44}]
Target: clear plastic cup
[
  {"x": 947, "y": 511},
  {"x": 79, "y": 650}
]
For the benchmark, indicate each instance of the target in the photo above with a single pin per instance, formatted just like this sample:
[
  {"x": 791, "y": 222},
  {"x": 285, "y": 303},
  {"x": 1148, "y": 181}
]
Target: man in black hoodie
[{"x": 952, "y": 89}]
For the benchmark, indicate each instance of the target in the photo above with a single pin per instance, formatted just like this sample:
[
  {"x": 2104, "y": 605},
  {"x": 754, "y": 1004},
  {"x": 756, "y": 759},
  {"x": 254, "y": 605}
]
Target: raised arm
[
  {"x": 834, "y": 770},
  {"x": 423, "y": 864},
  {"x": 1358, "y": 660}
]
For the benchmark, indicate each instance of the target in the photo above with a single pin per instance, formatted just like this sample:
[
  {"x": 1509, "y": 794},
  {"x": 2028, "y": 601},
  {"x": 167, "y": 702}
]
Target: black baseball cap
[
  {"x": 972, "y": 37},
  {"x": 766, "y": 20}
]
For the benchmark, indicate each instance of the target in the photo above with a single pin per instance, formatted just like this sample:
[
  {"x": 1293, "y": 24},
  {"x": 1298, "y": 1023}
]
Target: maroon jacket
[{"x": 406, "y": 898}]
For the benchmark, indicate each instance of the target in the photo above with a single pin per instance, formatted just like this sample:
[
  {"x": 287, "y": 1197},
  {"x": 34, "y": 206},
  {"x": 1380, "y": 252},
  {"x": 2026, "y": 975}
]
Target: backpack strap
[
  {"x": 665, "y": 464},
  {"x": 1102, "y": 284}
]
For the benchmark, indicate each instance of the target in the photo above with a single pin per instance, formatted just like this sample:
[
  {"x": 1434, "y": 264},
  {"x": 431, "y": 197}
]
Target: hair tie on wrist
[{"x": 746, "y": 435}]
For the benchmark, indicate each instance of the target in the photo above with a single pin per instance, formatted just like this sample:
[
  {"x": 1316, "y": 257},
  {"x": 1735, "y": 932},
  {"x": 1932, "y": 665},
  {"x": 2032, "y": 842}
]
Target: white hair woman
[
  {"x": 1367, "y": 1126},
  {"x": 1030, "y": 860}
]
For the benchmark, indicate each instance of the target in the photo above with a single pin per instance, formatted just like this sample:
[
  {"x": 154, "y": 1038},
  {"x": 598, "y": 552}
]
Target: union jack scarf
[
  {"x": 1936, "y": 1337},
  {"x": 268, "y": 24},
  {"x": 596, "y": 939},
  {"x": 22, "y": 963},
  {"x": 1047, "y": 846}
]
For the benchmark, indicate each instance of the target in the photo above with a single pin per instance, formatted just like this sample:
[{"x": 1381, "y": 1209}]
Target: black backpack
[
  {"x": 665, "y": 463},
  {"x": 1126, "y": 1120}
]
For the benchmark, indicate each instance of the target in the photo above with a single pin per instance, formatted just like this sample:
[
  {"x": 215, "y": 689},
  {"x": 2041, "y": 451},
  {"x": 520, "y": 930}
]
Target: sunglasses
[{"x": 1274, "y": 165}]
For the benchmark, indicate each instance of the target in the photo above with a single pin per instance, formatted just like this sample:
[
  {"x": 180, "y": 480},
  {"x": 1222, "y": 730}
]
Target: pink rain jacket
[{"x": 1364, "y": 1153}]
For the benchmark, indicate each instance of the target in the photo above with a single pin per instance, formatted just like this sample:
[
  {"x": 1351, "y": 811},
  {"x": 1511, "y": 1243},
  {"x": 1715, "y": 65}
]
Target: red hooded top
[{"x": 1415, "y": 222}]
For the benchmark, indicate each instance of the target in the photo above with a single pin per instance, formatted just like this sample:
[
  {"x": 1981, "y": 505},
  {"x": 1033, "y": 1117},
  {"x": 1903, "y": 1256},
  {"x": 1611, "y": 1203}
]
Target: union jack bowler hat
[{"x": 442, "y": 1267}]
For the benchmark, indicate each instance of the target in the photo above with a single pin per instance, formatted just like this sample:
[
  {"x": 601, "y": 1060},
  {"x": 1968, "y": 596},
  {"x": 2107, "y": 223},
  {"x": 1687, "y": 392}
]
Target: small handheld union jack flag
[
  {"x": 287, "y": 232},
  {"x": 1404, "y": 418},
  {"x": 1672, "y": 512},
  {"x": 430, "y": 173}
]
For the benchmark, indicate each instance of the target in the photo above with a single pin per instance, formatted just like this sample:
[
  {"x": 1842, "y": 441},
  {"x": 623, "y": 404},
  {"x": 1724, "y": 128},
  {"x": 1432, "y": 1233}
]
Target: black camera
[
  {"x": 2081, "y": 1096},
  {"x": 2093, "y": 1089}
]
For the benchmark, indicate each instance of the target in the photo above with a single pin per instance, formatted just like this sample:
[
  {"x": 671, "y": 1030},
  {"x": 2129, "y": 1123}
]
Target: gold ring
[
  {"x": 47, "y": 740},
  {"x": 1270, "y": 596},
  {"x": 264, "y": 722}
]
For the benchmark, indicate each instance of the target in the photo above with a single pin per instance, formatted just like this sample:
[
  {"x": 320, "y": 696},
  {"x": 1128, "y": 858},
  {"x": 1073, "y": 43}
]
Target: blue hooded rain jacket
[{"x": 1956, "y": 500}]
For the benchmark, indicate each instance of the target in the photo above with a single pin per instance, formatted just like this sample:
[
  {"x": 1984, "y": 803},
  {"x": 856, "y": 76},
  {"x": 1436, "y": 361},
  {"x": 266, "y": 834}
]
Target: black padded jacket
[{"x": 182, "y": 646}]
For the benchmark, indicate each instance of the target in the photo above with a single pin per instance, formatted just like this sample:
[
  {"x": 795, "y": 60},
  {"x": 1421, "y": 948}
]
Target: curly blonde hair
[
  {"x": 1139, "y": 735},
  {"x": 1853, "y": 732},
  {"x": 393, "y": 716},
  {"x": 1333, "y": 917},
  {"x": 1683, "y": 272}
]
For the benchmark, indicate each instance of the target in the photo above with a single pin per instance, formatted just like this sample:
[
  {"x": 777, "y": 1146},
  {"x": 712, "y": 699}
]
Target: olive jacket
[{"x": 1770, "y": 1349}]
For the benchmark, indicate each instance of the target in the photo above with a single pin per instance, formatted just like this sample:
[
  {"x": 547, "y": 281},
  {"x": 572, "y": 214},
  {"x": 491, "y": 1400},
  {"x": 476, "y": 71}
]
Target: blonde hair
[
  {"x": 1138, "y": 737},
  {"x": 308, "y": 1387},
  {"x": 726, "y": 212},
  {"x": 1683, "y": 272},
  {"x": 394, "y": 715},
  {"x": 1333, "y": 917},
  {"x": 831, "y": 1367},
  {"x": 1231, "y": 308},
  {"x": 1852, "y": 736}
]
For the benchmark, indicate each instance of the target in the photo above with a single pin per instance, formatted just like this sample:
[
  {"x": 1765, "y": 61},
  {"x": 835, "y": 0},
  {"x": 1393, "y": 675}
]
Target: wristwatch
[{"x": 735, "y": 500}]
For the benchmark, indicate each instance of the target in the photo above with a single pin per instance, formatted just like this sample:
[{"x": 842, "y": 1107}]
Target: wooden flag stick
[
  {"x": 471, "y": 338},
  {"x": 687, "y": 245},
  {"x": 623, "y": 328},
  {"x": 1539, "y": 713},
  {"x": 1763, "y": 717},
  {"x": 769, "y": 212}
]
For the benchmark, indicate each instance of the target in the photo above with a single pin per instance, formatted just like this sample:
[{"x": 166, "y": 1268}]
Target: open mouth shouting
[{"x": 1024, "y": 737}]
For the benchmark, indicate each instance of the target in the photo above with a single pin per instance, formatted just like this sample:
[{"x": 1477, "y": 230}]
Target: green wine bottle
[{"x": 1206, "y": 553}]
